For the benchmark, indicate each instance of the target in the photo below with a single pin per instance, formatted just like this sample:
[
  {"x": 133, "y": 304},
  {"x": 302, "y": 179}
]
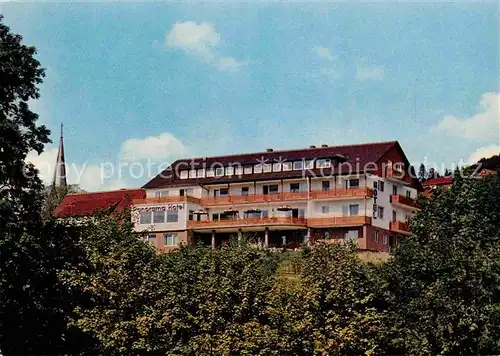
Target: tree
[
  {"x": 53, "y": 196},
  {"x": 443, "y": 283},
  {"x": 422, "y": 174}
]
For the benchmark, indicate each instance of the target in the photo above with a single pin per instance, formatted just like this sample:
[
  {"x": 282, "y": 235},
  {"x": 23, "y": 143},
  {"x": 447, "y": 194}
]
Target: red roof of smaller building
[
  {"x": 81, "y": 204},
  {"x": 438, "y": 181}
]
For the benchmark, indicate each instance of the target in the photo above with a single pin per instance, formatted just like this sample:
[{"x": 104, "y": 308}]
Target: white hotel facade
[{"x": 363, "y": 193}]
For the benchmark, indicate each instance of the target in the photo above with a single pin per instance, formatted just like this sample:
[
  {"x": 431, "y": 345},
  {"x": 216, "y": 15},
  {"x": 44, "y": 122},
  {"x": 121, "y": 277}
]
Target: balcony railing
[
  {"x": 338, "y": 221},
  {"x": 167, "y": 200},
  {"x": 405, "y": 202},
  {"x": 283, "y": 221},
  {"x": 250, "y": 199},
  {"x": 400, "y": 227},
  {"x": 341, "y": 193},
  {"x": 286, "y": 196}
]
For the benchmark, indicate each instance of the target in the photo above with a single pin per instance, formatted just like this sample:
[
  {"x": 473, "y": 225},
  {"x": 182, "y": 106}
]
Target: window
[
  {"x": 323, "y": 163},
  {"x": 257, "y": 168},
  {"x": 408, "y": 194},
  {"x": 151, "y": 239},
  {"x": 325, "y": 209},
  {"x": 277, "y": 167},
  {"x": 267, "y": 167},
  {"x": 394, "y": 215},
  {"x": 219, "y": 171},
  {"x": 380, "y": 210},
  {"x": 376, "y": 236},
  {"x": 158, "y": 217},
  {"x": 215, "y": 217},
  {"x": 353, "y": 183},
  {"x": 210, "y": 173},
  {"x": 238, "y": 170},
  {"x": 295, "y": 187},
  {"x": 183, "y": 174},
  {"x": 353, "y": 209},
  {"x": 287, "y": 166},
  {"x": 394, "y": 189},
  {"x": 222, "y": 192},
  {"x": 229, "y": 171},
  {"x": 351, "y": 235},
  {"x": 189, "y": 191},
  {"x": 264, "y": 213},
  {"x": 386, "y": 239},
  {"x": 327, "y": 235},
  {"x": 325, "y": 185},
  {"x": 309, "y": 164},
  {"x": 201, "y": 173},
  {"x": 297, "y": 165},
  {"x": 170, "y": 239},
  {"x": 145, "y": 217},
  {"x": 248, "y": 170},
  {"x": 381, "y": 186},
  {"x": 172, "y": 216},
  {"x": 273, "y": 189},
  {"x": 162, "y": 193},
  {"x": 399, "y": 167},
  {"x": 244, "y": 190},
  {"x": 192, "y": 173}
]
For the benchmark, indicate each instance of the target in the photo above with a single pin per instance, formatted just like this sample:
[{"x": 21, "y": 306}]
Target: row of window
[
  {"x": 294, "y": 188},
  {"x": 380, "y": 186},
  {"x": 255, "y": 169},
  {"x": 169, "y": 239},
  {"x": 159, "y": 217},
  {"x": 347, "y": 210},
  {"x": 182, "y": 192},
  {"x": 386, "y": 238}
]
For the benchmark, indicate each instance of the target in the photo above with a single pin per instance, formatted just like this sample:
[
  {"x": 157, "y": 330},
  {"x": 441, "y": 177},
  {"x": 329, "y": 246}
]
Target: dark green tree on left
[{"x": 33, "y": 303}]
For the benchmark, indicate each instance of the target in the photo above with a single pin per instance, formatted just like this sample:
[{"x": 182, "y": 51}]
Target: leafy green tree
[
  {"x": 443, "y": 283},
  {"x": 53, "y": 196}
]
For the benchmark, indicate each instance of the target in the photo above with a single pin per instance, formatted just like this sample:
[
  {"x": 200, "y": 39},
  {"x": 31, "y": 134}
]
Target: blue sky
[{"x": 133, "y": 81}]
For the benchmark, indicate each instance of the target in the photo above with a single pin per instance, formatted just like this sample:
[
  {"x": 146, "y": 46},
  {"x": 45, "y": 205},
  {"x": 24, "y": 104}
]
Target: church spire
[{"x": 60, "y": 170}]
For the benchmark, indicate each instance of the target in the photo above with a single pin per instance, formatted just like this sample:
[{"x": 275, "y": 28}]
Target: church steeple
[{"x": 60, "y": 170}]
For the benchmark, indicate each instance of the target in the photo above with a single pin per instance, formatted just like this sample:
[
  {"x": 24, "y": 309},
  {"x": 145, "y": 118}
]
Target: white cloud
[
  {"x": 89, "y": 177},
  {"x": 370, "y": 73},
  {"x": 484, "y": 125},
  {"x": 162, "y": 147},
  {"x": 201, "y": 40},
  {"x": 484, "y": 152},
  {"x": 324, "y": 53},
  {"x": 230, "y": 64},
  {"x": 198, "y": 39}
]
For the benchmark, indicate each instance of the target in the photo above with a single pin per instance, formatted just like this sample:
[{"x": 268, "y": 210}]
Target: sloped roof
[
  {"x": 438, "y": 181},
  {"x": 357, "y": 155},
  {"x": 81, "y": 204}
]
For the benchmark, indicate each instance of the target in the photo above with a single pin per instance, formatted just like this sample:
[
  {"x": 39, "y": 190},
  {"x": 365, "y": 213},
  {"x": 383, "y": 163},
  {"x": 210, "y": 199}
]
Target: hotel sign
[
  {"x": 136, "y": 211},
  {"x": 375, "y": 206}
]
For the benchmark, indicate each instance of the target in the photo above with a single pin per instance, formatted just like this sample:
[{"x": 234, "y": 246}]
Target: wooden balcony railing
[
  {"x": 286, "y": 221},
  {"x": 400, "y": 227},
  {"x": 167, "y": 200},
  {"x": 403, "y": 201},
  {"x": 341, "y": 193},
  {"x": 250, "y": 199},
  {"x": 336, "y": 221}
]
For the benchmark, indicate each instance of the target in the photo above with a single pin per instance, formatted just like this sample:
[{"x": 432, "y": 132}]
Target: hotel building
[{"x": 364, "y": 193}]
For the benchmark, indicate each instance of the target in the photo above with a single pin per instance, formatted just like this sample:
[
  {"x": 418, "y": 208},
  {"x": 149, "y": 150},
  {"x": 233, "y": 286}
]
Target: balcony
[
  {"x": 400, "y": 227},
  {"x": 341, "y": 193},
  {"x": 251, "y": 199},
  {"x": 339, "y": 221},
  {"x": 247, "y": 222},
  {"x": 167, "y": 200},
  {"x": 404, "y": 202}
]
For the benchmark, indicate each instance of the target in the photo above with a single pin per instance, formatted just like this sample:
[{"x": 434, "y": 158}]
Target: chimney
[
  {"x": 269, "y": 150},
  {"x": 312, "y": 146},
  {"x": 323, "y": 145}
]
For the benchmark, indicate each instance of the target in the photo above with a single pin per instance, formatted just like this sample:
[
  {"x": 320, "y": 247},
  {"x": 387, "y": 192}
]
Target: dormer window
[
  {"x": 229, "y": 171},
  {"x": 297, "y": 165},
  {"x": 323, "y": 163},
  {"x": 266, "y": 167},
  {"x": 257, "y": 168},
  {"x": 183, "y": 174},
  {"x": 248, "y": 170},
  {"x": 287, "y": 166},
  {"x": 219, "y": 171},
  {"x": 210, "y": 173}
]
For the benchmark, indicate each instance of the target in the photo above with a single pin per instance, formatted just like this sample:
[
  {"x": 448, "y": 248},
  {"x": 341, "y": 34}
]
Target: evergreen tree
[{"x": 422, "y": 173}]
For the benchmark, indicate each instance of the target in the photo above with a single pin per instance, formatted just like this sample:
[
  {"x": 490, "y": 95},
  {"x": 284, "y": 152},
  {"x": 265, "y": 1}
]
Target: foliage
[
  {"x": 443, "y": 283},
  {"x": 53, "y": 196}
]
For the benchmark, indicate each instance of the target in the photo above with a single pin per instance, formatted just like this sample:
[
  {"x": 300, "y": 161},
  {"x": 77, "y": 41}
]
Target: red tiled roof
[
  {"x": 357, "y": 155},
  {"x": 88, "y": 203},
  {"x": 438, "y": 181}
]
